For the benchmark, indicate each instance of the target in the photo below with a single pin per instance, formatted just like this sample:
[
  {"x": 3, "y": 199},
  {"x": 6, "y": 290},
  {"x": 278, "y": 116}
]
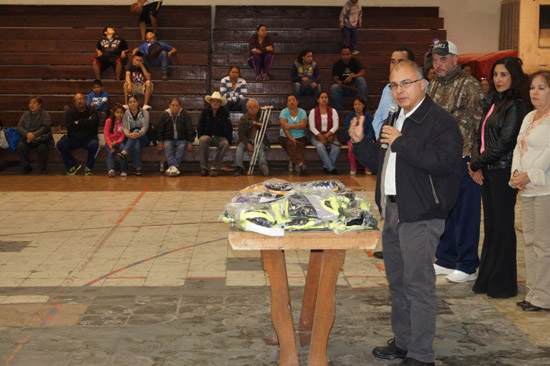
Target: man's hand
[
  {"x": 123, "y": 55},
  {"x": 389, "y": 134},
  {"x": 249, "y": 147},
  {"x": 476, "y": 176},
  {"x": 313, "y": 85}
]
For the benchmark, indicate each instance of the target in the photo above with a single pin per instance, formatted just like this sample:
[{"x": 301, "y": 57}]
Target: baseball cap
[{"x": 443, "y": 48}]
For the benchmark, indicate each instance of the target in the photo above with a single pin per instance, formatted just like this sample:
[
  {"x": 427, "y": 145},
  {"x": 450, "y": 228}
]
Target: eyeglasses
[{"x": 405, "y": 84}]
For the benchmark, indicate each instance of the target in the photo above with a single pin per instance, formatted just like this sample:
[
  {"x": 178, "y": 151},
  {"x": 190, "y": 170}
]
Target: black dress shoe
[
  {"x": 326, "y": 171},
  {"x": 523, "y": 303},
  {"x": 533, "y": 308},
  {"x": 389, "y": 352},
  {"x": 238, "y": 171},
  {"x": 412, "y": 362},
  {"x": 379, "y": 255}
]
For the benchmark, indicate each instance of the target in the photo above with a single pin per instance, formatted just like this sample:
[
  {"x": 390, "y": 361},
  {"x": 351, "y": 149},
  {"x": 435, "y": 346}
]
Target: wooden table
[{"x": 327, "y": 255}]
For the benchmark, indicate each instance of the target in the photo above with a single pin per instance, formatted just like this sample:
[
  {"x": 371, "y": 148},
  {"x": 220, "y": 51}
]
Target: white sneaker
[
  {"x": 169, "y": 171},
  {"x": 111, "y": 173},
  {"x": 352, "y": 172},
  {"x": 123, "y": 174},
  {"x": 442, "y": 270},
  {"x": 176, "y": 172},
  {"x": 459, "y": 276},
  {"x": 147, "y": 107}
]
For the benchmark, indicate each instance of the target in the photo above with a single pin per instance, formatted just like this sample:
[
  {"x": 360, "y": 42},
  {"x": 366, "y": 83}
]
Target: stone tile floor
[{"x": 139, "y": 272}]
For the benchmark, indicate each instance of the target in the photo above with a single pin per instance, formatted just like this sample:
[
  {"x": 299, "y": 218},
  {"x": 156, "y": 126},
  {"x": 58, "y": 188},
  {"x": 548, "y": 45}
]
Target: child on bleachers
[
  {"x": 114, "y": 138},
  {"x": 98, "y": 98},
  {"x": 138, "y": 80},
  {"x": 351, "y": 19}
]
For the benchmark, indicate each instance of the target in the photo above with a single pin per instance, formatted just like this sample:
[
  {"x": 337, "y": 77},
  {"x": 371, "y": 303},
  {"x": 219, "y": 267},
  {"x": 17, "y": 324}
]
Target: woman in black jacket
[
  {"x": 490, "y": 167},
  {"x": 175, "y": 134}
]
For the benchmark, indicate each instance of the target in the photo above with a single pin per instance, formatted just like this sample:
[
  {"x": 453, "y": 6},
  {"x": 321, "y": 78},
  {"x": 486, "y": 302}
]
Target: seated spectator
[
  {"x": 111, "y": 51},
  {"x": 261, "y": 49},
  {"x": 82, "y": 123},
  {"x": 135, "y": 124},
  {"x": 35, "y": 128},
  {"x": 148, "y": 13},
  {"x": 156, "y": 53},
  {"x": 293, "y": 135},
  {"x": 305, "y": 75},
  {"x": 249, "y": 126},
  {"x": 349, "y": 79},
  {"x": 323, "y": 124},
  {"x": 359, "y": 115},
  {"x": 138, "y": 80},
  {"x": 215, "y": 129},
  {"x": 98, "y": 98},
  {"x": 233, "y": 88},
  {"x": 114, "y": 138},
  {"x": 431, "y": 74},
  {"x": 175, "y": 133},
  {"x": 486, "y": 86},
  {"x": 467, "y": 68}
]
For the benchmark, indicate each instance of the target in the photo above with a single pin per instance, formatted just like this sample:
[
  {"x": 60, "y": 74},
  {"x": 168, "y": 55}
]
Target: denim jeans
[
  {"x": 67, "y": 144},
  {"x": 219, "y": 142},
  {"x": 161, "y": 61},
  {"x": 352, "y": 44},
  {"x": 174, "y": 150},
  {"x": 328, "y": 158},
  {"x": 302, "y": 90},
  {"x": 241, "y": 149},
  {"x": 133, "y": 146},
  {"x": 337, "y": 92},
  {"x": 111, "y": 158}
]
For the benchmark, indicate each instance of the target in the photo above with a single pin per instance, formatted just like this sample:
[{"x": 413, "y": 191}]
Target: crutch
[{"x": 259, "y": 138}]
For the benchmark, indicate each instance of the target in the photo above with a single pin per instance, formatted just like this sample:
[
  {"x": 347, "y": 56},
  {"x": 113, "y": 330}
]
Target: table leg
[
  {"x": 281, "y": 311},
  {"x": 310, "y": 296},
  {"x": 325, "y": 309}
]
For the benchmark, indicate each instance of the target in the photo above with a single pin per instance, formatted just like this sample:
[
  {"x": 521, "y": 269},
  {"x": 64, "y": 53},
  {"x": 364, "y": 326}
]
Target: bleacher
[{"x": 48, "y": 51}]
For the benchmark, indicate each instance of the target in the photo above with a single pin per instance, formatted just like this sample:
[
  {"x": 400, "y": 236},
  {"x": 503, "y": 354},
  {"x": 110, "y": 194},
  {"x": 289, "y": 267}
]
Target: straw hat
[{"x": 215, "y": 95}]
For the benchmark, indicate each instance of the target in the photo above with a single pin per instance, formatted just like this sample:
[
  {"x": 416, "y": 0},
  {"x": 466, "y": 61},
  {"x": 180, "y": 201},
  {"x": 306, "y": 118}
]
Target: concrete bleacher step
[
  {"x": 53, "y": 33},
  {"x": 89, "y": 46},
  {"x": 68, "y": 72},
  {"x": 258, "y": 12}
]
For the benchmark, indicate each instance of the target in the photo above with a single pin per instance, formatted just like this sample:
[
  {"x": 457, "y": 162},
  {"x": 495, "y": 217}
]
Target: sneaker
[
  {"x": 290, "y": 167},
  {"x": 169, "y": 171},
  {"x": 238, "y": 171},
  {"x": 111, "y": 173},
  {"x": 367, "y": 171},
  {"x": 352, "y": 172},
  {"x": 265, "y": 170},
  {"x": 164, "y": 76},
  {"x": 147, "y": 107},
  {"x": 265, "y": 77},
  {"x": 74, "y": 169},
  {"x": 138, "y": 172},
  {"x": 439, "y": 270},
  {"x": 88, "y": 171},
  {"x": 326, "y": 171},
  {"x": 300, "y": 169},
  {"x": 176, "y": 172},
  {"x": 204, "y": 172},
  {"x": 355, "y": 53},
  {"x": 460, "y": 277},
  {"x": 213, "y": 173},
  {"x": 125, "y": 106},
  {"x": 258, "y": 77},
  {"x": 123, "y": 174}
]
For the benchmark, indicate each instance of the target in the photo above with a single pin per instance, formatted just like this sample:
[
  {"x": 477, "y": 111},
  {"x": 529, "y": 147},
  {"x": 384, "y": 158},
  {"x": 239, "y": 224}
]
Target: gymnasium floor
[{"x": 138, "y": 271}]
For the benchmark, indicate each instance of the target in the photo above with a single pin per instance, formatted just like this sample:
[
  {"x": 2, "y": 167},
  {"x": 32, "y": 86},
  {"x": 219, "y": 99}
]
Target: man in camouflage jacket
[{"x": 459, "y": 94}]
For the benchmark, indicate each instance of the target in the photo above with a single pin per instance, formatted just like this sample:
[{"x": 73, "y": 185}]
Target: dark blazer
[{"x": 428, "y": 165}]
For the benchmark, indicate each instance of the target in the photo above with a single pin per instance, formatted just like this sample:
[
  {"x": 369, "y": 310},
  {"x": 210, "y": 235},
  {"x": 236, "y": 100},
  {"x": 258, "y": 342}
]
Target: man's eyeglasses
[{"x": 405, "y": 84}]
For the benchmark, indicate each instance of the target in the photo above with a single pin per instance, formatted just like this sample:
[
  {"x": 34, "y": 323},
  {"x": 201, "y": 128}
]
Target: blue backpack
[{"x": 13, "y": 137}]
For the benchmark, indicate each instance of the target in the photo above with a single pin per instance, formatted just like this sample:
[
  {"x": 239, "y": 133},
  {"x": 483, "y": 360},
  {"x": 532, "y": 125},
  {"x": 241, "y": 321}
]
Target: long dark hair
[
  {"x": 113, "y": 118},
  {"x": 302, "y": 54},
  {"x": 519, "y": 88}
]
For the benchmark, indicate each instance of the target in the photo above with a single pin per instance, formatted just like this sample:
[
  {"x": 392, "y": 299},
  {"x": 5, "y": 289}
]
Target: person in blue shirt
[
  {"x": 156, "y": 53},
  {"x": 292, "y": 136},
  {"x": 98, "y": 98},
  {"x": 381, "y": 114}
]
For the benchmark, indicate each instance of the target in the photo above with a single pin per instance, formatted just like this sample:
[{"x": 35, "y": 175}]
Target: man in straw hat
[{"x": 215, "y": 129}]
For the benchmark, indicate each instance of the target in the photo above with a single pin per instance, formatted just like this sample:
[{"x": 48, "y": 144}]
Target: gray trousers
[
  {"x": 409, "y": 251},
  {"x": 220, "y": 143}
]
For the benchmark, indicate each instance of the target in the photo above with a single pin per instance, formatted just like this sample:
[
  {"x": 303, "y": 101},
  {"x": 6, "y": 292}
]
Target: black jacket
[
  {"x": 184, "y": 126},
  {"x": 220, "y": 125},
  {"x": 81, "y": 125},
  {"x": 428, "y": 165},
  {"x": 501, "y": 132}
]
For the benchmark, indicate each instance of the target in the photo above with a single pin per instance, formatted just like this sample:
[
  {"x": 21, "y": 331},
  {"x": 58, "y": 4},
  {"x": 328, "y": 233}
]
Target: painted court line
[{"x": 132, "y": 205}]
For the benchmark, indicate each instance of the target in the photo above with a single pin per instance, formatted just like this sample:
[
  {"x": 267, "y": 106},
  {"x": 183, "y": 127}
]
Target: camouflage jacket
[{"x": 459, "y": 94}]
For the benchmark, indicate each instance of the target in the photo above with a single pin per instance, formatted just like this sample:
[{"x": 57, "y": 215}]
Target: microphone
[{"x": 390, "y": 121}]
